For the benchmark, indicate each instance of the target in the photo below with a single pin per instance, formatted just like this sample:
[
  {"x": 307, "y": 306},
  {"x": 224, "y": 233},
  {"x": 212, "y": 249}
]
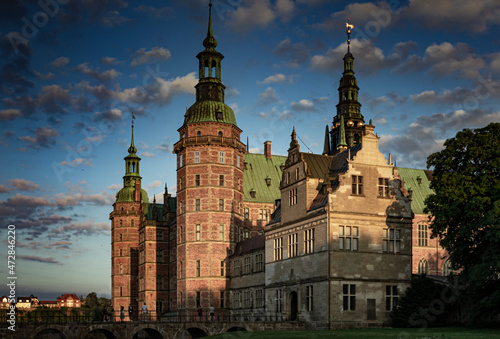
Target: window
[
  {"x": 292, "y": 196},
  {"x": 121, "y": 268},
  {"x": 197, "y": 204},
  {"x": 259, "y": 264},
  {"x": 121, "y": 252},
  {"x": 180, "y": 183},
  {"x": 238, "y": 160},
  {"x": 309, "y": 241},
  {"x": 259, "y": 298},
  {"x": 247, "y": 300},
  {"x": 221, "y": 204},
  {"x": 180, "y": 207},
  {"x": 297, "y": 173},
  {"x": 447, "y": 270},
  {"x": 237, "y": 300},
  {"x": 198, "y": 232},
  {"x": 221, "y": 157},
  {"x": 278, "y": 248},
  {"x": 180, "y": 233},
  {"x": 121, "y": 236},
  {"x": 247, "y": 213},
  {"x": 198, "y": 268},
  {"x": 219, "y": 116},
  {"x": 159, "y": 306},
  {"x": 392, "y": 240},
  {"x": 247, "y": 265},
  {"x": 159, "y": 283},
  {"x": 159, "y": 235},
  {"x": 159, "y": 255},
  {"x": 221, "y": 180},
  {"x": 121, "y": 291},
  {"x": 349, "y": 297},
  {"x": 357, "y": 184},
  {"x": 236, "y": 271},
  {"x": 279, "y": 300},
  {"x": 263, "y": 214},
  {"x": 121, "y": 221},
  {"x": 288, "y": 177},
  {"x": 197, "y": 180},
  {"x": 348, "y": 238},
  {"x": 196, "y": 157},
  {"x": 422, "y": 234},
  {"x": 423, "y": 267},
  {"x": 222, "y": 268},
  {"x": 383, "y": 187},
  {"x": 391, "y": 297},
  {"x": 198, "y": 134},
  {"x": 180, "y": 269},
  {"x": 132, "y": 223},
  {"x": 221, "y": 299},
  {"x": 246, "y": 234},
  {"x": 180, "y": 160},
  {"x": 198, "y": 299},
  {"x": 292, "y": 245},
  {"x": 309, "y": 298},
  {"x": 221, "y": 232}
]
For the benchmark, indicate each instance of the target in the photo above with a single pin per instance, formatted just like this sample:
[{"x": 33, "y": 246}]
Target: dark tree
[
  {"x": 91, "y": 300},
  {"x": 465, "y": 212}
]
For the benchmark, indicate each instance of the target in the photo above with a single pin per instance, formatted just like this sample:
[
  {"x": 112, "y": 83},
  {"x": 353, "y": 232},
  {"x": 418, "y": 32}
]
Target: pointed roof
[
  {"x": 342, "y": 141},
  {"x": 294, "y": 143},
  {"x": 210, "y": 43},
  {"x": 326, "y": 147}
]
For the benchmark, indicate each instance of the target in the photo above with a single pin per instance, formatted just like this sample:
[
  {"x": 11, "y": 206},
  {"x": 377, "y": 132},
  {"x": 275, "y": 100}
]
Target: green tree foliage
[
  {"x": 465, "y": 211},
  {"x": 425, "y": 304},
  {"x": 91, "y": 300}
]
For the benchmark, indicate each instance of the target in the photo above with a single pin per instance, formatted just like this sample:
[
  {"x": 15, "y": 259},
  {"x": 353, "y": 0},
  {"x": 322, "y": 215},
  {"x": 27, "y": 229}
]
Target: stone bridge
[{"x": 133, "y": 330}]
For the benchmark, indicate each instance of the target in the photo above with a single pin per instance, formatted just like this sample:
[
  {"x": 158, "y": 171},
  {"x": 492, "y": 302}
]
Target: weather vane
[
  {"x": 349, "y": 27},
  {"x": 133, "y": 117}
]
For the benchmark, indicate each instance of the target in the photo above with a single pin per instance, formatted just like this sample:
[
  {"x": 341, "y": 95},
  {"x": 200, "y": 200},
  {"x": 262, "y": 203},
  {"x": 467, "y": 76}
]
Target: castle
[{"x": 329, "y": 238}]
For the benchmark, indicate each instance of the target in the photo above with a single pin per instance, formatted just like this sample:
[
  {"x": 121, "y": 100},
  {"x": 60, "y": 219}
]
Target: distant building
[{"x": 70, "y": 300}]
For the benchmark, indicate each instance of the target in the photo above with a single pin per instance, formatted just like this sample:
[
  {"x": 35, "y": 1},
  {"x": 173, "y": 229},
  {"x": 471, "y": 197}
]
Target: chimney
[{"x": 267, "y": 149}]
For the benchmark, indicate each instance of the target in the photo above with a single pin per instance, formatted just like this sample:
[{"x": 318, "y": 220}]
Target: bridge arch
[
  {"x": 101, "y": 333},
  {"x": 50, "y": 333},
  {"x": 196, "y": 332},
  {"x": 148, "y": 333}
]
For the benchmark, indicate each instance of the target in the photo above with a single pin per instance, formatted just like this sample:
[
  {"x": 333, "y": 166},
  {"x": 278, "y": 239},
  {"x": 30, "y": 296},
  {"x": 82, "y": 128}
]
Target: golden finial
[{"x": 349, "y": 27}]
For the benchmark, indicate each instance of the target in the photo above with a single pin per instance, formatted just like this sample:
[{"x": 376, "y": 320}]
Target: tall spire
[
  {"x": 341, "y": 143},
  {"x": 210, "y": 43},
  {"x": 326, "y": 147},
  {"x": 294, "y": 143},
  {"x": 132, "y": 149},
  {"x": 349, "y": 27}
]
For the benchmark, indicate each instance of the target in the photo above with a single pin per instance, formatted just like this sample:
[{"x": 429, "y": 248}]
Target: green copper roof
[
  {"x": 258, "y": 168},
  {"x": 317, "y": 165},
  {"x": 206, "y": 110},
  {"x": 126, "y": 194},
  {"x": 159, "y": 209},
  {"x": 420, "y": 191}
]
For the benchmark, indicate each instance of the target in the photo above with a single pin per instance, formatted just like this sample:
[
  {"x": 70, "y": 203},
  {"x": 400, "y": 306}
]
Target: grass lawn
[{"x": 366, "y": 333}]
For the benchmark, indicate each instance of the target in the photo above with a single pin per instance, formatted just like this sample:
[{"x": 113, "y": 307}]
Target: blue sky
[{"x": 72, "y": 71}]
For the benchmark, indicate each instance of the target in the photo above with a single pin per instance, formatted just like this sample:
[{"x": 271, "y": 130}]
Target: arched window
[
  {"x": 423, "y": 267},
  {"x": 220, "y": 133},
  {"x": 198, "y": 133},
  {"x": 447, "y": 268}
]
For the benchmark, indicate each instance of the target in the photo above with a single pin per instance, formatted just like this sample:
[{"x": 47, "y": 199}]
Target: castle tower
[
  {"x": 209, "y": 187},
  {"x": 128, "y": 212},
  {"x": 348, "y": 107}
]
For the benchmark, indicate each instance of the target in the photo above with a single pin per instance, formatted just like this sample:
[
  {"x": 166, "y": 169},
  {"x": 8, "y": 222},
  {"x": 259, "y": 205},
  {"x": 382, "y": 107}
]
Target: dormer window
[
  {"x": 198, "y": 134},
  {"x": 268, "y": 181},
  {"x": 219, "y": 115},
  {"x": 419, "y": 180},
  {"x": 220, "y": 134},
  {"x": 252, "y": 193}
]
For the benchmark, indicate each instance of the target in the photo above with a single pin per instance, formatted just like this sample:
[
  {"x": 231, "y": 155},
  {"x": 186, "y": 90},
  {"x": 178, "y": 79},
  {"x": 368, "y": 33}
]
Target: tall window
[
  {"x": 159, "y": 283},
  {"x": 309, "y": 298},
  {"x": 292, "y": 196},
  {"x": 423, "y": 267},
  {"x": 197, "y": 204},
  {"x": 196, "y": 157},
  {"x": 121, "y": 268},
  {"x": 159, "y": 255},
  {"x": 297, "y": 173},
  {"x": 247, "y": 299},
  {"x": 180, "y": 207},
  {"x": 132, "y": 223},
  {"x": 180, "y": 183},
  {"x": 198, "y": 232},
  {"x": 383, "y": 187},
  {"x": 259, "y": 298},
  {"x": 121, "y": 252},
  {"x": 198, "y": 268},
  {"x": 197, "y": 180},
  {"x": 238, "y": 160},
  {"x": 357, "y": 184},
  {"x": 278, "y": 248},
  {"x": 221, "y": 204},
  {"x": 288, "y": 177},
  {"x": 309, "y": 241},
  {"x": 180, "y": 160},
  {"x": 221, "y": 232},
  {"x": 247, "y": 213},
  {"x": 221, "y": 157},
  {"x": 391, "y": 297},
  {"x": 221, "y": 299},
  {"x": 247, "y": 265},
  {"x": 349, "y": 297},
  {"x": 259, "y": 263},
  {"x": 279, "y": 300},
  {"x": 348, "y": 238},
  {"x": 263, "y": 214},
  {"x": 237, "y": 300},
  {"x": 292, "y": 245},
  {"x": 447, "y": 270},
  {"x": 422, "y": 234},
  {"x": 392, "y": 240},
  {"x": 221, "y": 180},
  {"x": 198, "y": 299},
  {"x": 236, "y": 270},
  {"x": 222, "y": 267},
  {"x": 246, "y": 234}
]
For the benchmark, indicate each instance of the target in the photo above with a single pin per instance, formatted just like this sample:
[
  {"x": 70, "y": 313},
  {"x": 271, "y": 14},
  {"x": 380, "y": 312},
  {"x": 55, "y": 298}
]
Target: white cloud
[
  {"x": 147, "y": 154},
  {"x": 9, "y": 114},
  {"x": 276, "y": 78},
  {"x": 142, "y": 56},
  {"x": 268, "y": 96},
  {"x": 303, "y": 105}
]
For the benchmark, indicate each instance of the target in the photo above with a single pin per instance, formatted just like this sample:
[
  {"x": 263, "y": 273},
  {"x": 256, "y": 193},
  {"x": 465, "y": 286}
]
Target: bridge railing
[{"x": 221, "y": 315}]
